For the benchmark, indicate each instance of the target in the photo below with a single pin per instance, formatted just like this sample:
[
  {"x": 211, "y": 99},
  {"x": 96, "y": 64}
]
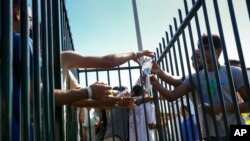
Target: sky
[{"x": 101, "y": 27}]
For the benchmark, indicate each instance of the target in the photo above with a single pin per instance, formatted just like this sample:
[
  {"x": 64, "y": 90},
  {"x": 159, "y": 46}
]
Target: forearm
[
  {"x": 93, "y": 103},
  {"x": 164, "y": 92},
  {"x": 140, "y": 100},
  {"x": 71, "y": 59},
  {"x": 168, "y": 78},
  {"x": 118, "y": 59},
  {"x": 67, "y": 97},
  {"x": 243, "y": 107}
]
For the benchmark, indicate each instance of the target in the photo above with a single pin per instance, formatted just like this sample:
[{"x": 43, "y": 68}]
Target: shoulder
[{"x": 232, "y": 68}]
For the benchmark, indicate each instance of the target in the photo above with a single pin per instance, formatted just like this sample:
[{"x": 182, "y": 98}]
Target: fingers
[{"x": 145, "y": 53}]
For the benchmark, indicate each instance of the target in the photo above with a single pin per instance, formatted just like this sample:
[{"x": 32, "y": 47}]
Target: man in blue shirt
[{"x": 188, "y": 127}]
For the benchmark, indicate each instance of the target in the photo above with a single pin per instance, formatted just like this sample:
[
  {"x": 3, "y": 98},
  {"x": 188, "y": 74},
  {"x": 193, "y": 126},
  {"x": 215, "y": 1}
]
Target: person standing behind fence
[
  {"x": 117, "y": 122},
  {"x": 17, "y": 71},
  {"x": 187, "y": 86},
  {"x": 176, "y": 81},
  {"x": 142, "y": 128},
  {"x": 186, "y": 126},
  {"x": 89, "y": 119}
]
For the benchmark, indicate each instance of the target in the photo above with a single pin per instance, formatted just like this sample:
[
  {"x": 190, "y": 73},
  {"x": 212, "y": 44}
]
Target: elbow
[
  {"x": 171, "y": 99},
  {"x": 177, "y": 83}
]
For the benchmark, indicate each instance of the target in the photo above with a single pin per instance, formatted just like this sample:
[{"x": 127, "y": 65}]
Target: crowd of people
[{"x": 131, "y": 115}]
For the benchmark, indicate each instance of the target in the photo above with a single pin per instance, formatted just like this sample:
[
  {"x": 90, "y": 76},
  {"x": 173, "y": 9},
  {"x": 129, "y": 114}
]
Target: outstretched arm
[
  {"x": 71, "y": 59},
  {"x": 166, "y": 77},
  {"x": 167, "y": 94},
  {"x": 65, "y": 97}
]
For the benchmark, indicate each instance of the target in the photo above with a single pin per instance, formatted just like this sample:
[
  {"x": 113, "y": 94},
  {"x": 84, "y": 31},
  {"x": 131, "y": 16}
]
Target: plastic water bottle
[{"x": 146, "y": 71}]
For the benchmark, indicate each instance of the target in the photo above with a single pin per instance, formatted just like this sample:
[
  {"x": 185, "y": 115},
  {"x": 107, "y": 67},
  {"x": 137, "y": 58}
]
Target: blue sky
[
  {"x": 108, "y": 25},
  {"x": 101, "y": 27}
]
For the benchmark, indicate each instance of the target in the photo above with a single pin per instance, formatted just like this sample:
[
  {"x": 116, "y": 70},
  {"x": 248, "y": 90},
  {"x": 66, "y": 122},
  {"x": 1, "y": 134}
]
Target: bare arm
[
  {"x": 168, "y": 78},
  {"x": 71, "y": 59},
  {"x": 243, "y": 107},
  {"x": 94, "y": 103},
  {"x": 65, "y": 97},
  {"x": 106, "y": 103},
  {"x": 167, "y": 94}
]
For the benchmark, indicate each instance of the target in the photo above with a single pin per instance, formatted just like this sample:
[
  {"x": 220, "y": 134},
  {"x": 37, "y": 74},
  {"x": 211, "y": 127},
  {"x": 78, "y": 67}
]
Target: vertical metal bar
[
  {"x": 225, "y": 54},
  {"x": 177, "y": 73},
  {"x": 168, "y": 103},
  {"x": 167, "y": 135},
  {"x": 25, "y": 77},
  {"x": 137, "y": 26},
  {"x": 164, "y": 111},
  {"x": 123, "y": 114},
  {"x": 57, "y": 38},
  {"x": 205, "y": 68},
  {"x": 37, "y": 72},
  {"x": 145, "y": 115},
  {"x": 89, "y": 125},
  {"x": 239, "y": 48},
  {"x": 163, "y": 67},
  {"x": 161, "y": 101},
  {"x": 248, "y": 7},
  {"x": 1, "y": 96},
  {"x": 46, "y": 82},
  {"x": 134, "y": 118},
  {"x": 187, "y": 96},
  {"x": 172, "y": 72},
  {"x": 6, "y": 71},
  {"x": 51, "y": 99},
  {"x": 195, "y": 60},
  {"x": 215, "y": 65}
]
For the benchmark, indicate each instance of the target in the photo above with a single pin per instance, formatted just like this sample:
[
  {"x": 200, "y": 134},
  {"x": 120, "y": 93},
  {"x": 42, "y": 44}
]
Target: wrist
[{"x": 134, "y": 55}]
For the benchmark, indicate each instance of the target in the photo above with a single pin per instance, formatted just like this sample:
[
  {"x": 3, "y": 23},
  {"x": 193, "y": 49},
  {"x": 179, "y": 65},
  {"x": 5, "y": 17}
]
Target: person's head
[
  {"x": 206, "y": 46},
  {"x": 234, "y": 62},
  {"x": 184, "y": 109},
  {"x": 197, "y": 54},
  {"x": 17, "y": 16},
  {"x": 137, "y": 90}
]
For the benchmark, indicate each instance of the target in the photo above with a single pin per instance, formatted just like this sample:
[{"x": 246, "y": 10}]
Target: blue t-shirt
[
  {"x": 17, "y": 85},
  {"x": 189, "y": 130}
]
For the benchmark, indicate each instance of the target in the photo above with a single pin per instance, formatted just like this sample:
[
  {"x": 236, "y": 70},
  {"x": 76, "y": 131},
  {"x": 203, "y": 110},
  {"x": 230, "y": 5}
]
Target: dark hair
[
  {"x": 184, "y": 107},
  {"x": 16, "y": 3},
  {"x": 215, "y": 38},
  {"x": 234, "y": 62},
  {"x": 137, "y": 90},
  {"x": 120, "y": 88}
]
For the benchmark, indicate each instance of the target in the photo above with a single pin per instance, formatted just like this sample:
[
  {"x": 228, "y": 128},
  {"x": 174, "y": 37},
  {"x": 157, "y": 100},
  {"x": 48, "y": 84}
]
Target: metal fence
[
  {"x": 175, "y": 50},
  {"x": 51, "y": 35}
]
